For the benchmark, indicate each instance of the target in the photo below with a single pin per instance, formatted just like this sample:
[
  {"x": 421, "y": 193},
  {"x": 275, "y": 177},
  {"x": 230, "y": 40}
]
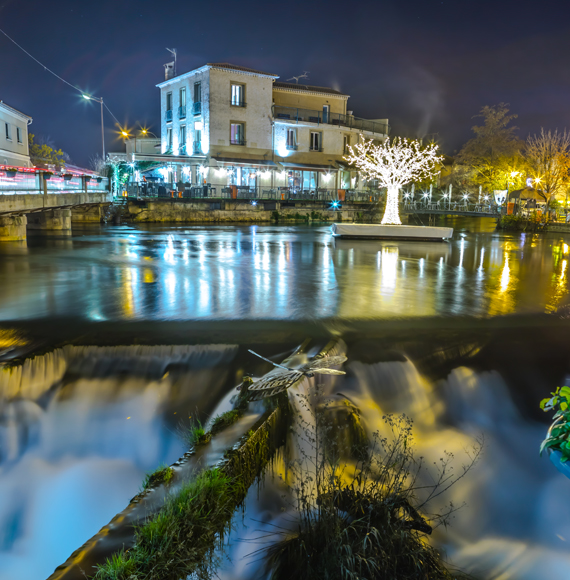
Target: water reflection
[{"x": 287, "y": 272}]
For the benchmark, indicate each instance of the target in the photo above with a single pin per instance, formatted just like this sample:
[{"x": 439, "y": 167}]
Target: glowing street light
[
  {"x": 89, "y": 98},
  {"x": 145, "y": 133}
]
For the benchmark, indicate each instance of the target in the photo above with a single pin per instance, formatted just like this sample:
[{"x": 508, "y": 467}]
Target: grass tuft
[
  {"x": 162, "y": 474},
  {"x": 224, "y": 421}
]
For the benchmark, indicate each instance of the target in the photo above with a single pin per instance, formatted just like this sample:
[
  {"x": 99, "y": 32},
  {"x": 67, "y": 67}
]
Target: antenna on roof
[
  {"x": 305, "y": 75},
  {"x": 173, "y": 52}
]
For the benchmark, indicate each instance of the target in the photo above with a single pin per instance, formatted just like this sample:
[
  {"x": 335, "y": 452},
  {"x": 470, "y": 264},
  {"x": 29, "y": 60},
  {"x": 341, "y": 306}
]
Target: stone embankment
[{"x": 180, "y": 210}]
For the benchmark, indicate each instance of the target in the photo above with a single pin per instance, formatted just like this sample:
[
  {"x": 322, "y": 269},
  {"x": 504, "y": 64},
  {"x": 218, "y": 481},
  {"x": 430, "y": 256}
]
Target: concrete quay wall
[{"x": 238, "y": 211}]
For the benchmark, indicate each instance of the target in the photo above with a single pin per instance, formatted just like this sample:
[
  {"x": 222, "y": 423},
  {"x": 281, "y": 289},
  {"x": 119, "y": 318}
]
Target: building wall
[
  {"x": 12, "y": 152},
  {"x": 256, "y": 115},
  {"x": 313, "y": 102}
]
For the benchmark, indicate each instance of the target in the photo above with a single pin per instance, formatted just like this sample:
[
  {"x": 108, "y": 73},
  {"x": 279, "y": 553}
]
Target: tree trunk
[{"x": 391, "y": 213}]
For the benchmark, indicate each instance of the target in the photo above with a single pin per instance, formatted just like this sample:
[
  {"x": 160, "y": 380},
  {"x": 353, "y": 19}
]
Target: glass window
[
  {"x": 309, "y": 180},
  {"x": 182, "y": 144},
  {"x": 291, "y": 139},
  {"x": 8, "y": 132},
  {"x": 237, "y": 134},
  {"x": 197, "y": 92},
  {"x": 19, "y": 134},
  {"x": 315, "y": 144},
  {"x": 169, "y": 139},
  {"x": 169, "y": 101},
  {"x": 295, "y": 179},
  {"x": 346, "y": 143},
  {"x": 183, "y": 97},
  {"x": 238, "y": 95}
]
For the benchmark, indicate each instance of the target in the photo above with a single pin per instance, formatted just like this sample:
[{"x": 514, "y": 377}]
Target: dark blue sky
[{"x": 428, "y": 66}]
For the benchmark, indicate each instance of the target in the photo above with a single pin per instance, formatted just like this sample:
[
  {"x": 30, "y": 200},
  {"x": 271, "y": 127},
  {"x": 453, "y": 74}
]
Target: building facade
[
  {"x": 14, "y": 150},
  {"x": 227, "y": 126}
]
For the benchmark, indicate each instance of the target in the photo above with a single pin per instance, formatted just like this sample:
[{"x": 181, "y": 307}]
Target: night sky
[{"x": 428, "y": 65}]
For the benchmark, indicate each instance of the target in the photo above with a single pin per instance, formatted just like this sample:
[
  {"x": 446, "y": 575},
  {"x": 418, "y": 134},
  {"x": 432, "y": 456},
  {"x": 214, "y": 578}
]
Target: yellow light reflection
[
  {"x": 505, "y": 275},
  {"x": 148, "y": 276}
]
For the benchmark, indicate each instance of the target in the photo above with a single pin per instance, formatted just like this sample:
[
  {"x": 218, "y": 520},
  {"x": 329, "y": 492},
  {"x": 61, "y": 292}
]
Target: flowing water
[{"x": 80, "y": 427}]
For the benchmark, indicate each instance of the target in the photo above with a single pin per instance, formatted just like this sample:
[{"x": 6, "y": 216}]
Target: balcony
[
  {"x": 291, "y": 146},
  {"x": 237, "y": 141},
  {"x": 235, "y": 103},
  {"x": 169, "y": 115},
  {"x": 182, "y": 112},
  {"x": 182, "y": 150},
  {"x": 327, "y": 118},
  {"x": 197, "y": 108},
  {"x": 197, "y": 148}
]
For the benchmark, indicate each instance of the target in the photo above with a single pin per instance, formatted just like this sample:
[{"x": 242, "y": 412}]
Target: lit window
[
  {"x": 237, "y": 134},
  {"x": 315, "y": 144},
  {"x": 291, "y": 139},
  {"x": 238, "y": 95}
]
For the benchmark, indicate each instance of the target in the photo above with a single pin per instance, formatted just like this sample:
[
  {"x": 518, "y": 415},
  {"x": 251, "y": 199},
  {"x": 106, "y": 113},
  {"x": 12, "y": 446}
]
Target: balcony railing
[
  {"x": 197, "y": 148},
  {"x": 237, "y": 141},
  {"x": 169, "y": 115},
  {"x": 291, "y": 146},
  {"x": 197, "y": 108},
  {"x": 182, "y": 112},
  {"x": 235, "y": 103},
  {"x": 317, "y": 148},
  {"x": 327, "y": 118}
]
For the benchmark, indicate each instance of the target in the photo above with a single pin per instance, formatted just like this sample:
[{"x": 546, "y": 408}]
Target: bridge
[
  {"x": 452, "y": 209},
  {"x": 29, "y": 201}
]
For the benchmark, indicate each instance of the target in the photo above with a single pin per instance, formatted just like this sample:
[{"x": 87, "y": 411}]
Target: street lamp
[
  {"x": 88, "y": 98},
  {"x": 146, "y": 133}
]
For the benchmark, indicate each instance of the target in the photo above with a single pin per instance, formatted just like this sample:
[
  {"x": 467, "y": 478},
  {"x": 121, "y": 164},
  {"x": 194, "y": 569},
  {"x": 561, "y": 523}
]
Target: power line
[{"x": 53, "y": 73}]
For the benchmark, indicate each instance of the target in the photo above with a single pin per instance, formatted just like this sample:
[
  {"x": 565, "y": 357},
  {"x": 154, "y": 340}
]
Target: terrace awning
[
  {"x": 232, "y": 161},
  {"x": 308, "y": 166}
]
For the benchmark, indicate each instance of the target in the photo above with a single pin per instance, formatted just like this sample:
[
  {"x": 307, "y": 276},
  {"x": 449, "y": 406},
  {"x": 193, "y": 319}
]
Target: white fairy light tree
[{"x": 394, "y": 164}]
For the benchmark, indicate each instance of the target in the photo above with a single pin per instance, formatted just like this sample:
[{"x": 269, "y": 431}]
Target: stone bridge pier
[
  {"x": 12, "y": 228},
  {"x": 57, "y": 221},
  {"x": 87, "y": 214}
]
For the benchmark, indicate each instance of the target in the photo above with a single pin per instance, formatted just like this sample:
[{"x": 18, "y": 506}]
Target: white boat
[{"x": 389, "y": 232}]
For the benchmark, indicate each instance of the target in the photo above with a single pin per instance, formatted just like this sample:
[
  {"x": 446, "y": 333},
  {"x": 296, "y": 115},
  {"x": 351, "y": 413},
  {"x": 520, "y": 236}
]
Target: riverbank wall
[{"x": 185, "y": 211}]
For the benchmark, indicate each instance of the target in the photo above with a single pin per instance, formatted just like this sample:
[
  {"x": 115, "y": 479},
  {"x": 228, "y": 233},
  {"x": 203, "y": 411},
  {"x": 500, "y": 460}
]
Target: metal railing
[
  {"x": 247, "y": 193},
  {"x": 327, "y": 118},
  {"x": 169, "y": 115},
  {"x": 197, "y": 108},
  {"x": 182, "y": 112},
  {"x": 237, "y": 141},
  {"x": 445, "y": 205},
  {"x": 291, "y": 147},
  {"x": 237, "y": 103},
  {"x": 197, "y": 148}
]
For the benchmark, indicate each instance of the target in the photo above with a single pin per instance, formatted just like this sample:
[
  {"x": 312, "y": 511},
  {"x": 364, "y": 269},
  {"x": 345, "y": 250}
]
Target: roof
[
  {"x": 3, "y": 104},
  {"x": 229, "y": 66},
  {"x": 527, "y": 193},
  {"x": 308, "y": 89}
]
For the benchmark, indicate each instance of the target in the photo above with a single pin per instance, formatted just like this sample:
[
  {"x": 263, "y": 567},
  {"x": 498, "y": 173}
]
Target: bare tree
[{"x": 549, "y": 158}]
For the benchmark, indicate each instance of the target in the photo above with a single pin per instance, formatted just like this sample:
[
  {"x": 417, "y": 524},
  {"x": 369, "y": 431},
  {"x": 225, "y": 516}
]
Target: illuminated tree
[
  {"x": 394, "y": 164},
  {"x": 549, "y": 158}
]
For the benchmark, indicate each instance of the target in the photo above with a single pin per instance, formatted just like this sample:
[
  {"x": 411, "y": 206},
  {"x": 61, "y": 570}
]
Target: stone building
[
  {"x": 14, "y": 149},
  {"x": 224, "y": 125}
]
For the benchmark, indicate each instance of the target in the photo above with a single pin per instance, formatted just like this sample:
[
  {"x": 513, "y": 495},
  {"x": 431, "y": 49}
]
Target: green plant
[
  {"x": 559, "y": 435},
  {"x": 163, "y": 474},
  {"x": 179, "y": 540},
  {"x": 193, "y": 434}
]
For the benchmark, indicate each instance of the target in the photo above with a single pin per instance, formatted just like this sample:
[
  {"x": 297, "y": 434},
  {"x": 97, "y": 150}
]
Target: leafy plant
[{"x": 559, "y": 434}]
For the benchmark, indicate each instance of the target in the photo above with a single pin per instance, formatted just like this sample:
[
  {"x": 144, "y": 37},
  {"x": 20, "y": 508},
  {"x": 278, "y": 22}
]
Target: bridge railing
[
  {"x": 28, "y": 182},
  {"x": 453, "y": 206}
]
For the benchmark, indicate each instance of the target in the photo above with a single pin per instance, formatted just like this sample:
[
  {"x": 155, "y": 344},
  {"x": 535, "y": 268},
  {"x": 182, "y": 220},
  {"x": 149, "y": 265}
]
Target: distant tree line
[{"x": 496, "y": 159}]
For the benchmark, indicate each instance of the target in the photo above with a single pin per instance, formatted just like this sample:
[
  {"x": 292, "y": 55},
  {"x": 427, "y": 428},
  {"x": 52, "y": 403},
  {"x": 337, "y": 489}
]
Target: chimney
[{"x": 168, "y": 70}]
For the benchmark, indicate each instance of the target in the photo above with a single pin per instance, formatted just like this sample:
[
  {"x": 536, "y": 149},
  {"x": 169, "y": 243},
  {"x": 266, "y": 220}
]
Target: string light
[{"x": 394, "y": 164}]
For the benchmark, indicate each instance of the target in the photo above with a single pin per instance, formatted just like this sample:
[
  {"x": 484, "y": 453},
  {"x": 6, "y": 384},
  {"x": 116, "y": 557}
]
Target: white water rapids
[
  {"x": 516, "y": 524},
  {"x": 73, "y": 455}
]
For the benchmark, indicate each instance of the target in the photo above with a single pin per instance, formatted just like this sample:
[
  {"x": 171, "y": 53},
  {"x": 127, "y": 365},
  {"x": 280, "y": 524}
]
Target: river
[{"x": 427, "y": 334}]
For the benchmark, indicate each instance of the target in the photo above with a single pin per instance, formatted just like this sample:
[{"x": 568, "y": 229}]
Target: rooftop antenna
[
  {"x": 173, "y": 52},
  {"x": 305, "y": 75}
]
